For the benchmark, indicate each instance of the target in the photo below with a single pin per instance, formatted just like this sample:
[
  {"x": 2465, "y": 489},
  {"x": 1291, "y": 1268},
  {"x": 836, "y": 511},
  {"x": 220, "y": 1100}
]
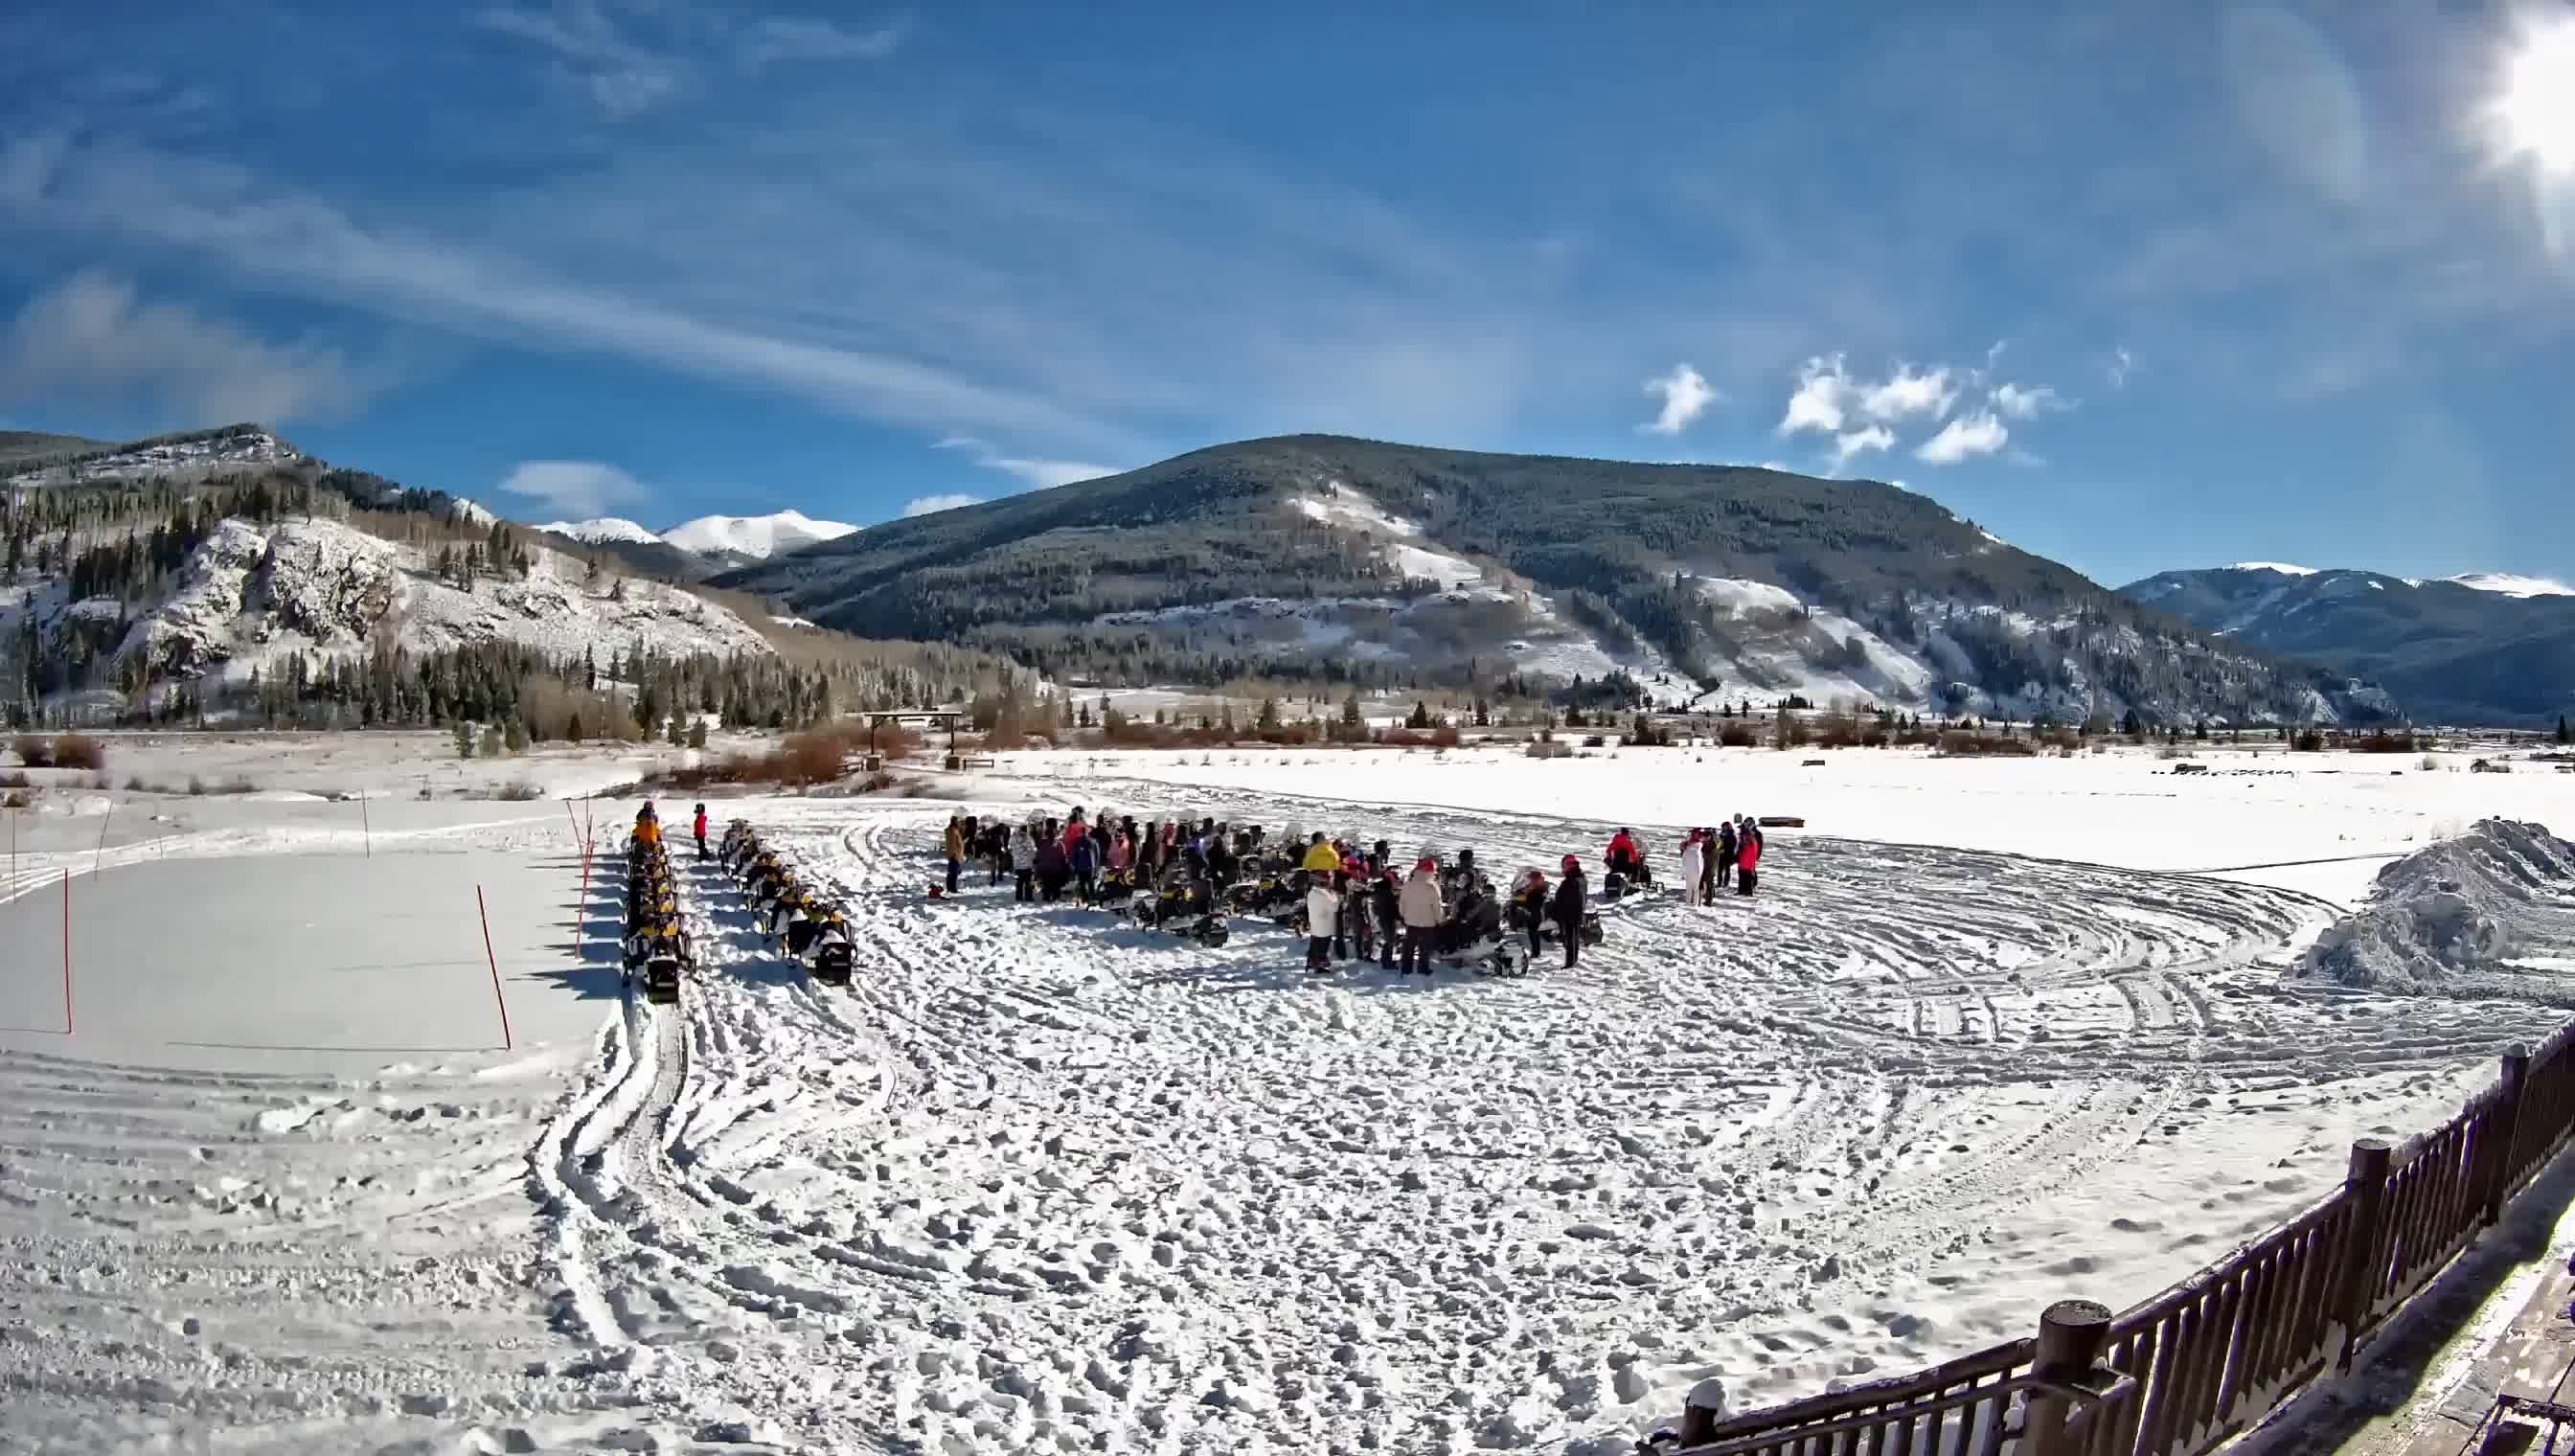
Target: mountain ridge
[
  {"x": 1366, "y": 559},
  {"x": 2485, "y": 648}
]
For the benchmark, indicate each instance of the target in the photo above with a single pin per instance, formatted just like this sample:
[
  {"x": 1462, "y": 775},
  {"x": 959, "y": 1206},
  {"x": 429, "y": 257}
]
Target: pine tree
[
  {"x": 464, "y": 738},
  {"x": 1353, "y": 727},
  {"x": 1269, "y": 719},
  {"x": 492, "y": 741},
  {"x": 515, "y": 737},
  {"x": 697, "y": 733},
  {"x": 2565, "y": 735},
  {"x": 1420, "y": 717}
]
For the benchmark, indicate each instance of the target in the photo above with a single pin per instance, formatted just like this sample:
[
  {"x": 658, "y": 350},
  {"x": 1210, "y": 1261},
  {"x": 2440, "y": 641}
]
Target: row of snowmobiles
[
  {"x": 658, "y": 945},
  {"x": 788, "y": 912}
]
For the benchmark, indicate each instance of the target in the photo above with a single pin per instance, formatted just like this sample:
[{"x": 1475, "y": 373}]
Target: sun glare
[{"x": 2537, "y": 107}]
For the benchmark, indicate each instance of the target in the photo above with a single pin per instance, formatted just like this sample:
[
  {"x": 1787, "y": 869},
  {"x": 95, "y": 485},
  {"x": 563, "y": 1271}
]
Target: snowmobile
[
  {"x": 1185, "y": 904},
  {"x": 1275, "y": 890},
  {"x": 662, "y": 979},
  {"x": 821, "y": 940},
  {"x": 1473, "y": 936},
  {"x": 1521, "y": 914}
]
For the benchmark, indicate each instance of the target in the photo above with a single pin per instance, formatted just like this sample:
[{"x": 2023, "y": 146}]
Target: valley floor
[{"x": 1039, "y": 1180}]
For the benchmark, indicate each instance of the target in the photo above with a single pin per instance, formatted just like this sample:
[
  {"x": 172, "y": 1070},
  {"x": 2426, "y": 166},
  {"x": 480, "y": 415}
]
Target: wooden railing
[{"x": 2214, "y": 1354}]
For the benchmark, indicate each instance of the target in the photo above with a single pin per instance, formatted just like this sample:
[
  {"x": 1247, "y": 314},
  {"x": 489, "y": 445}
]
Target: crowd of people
[{"x": 1349, "y": 901}]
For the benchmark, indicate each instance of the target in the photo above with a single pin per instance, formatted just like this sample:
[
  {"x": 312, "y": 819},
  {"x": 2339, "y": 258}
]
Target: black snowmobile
[
  {"x": 1522, "y": 913},
  {"x": 1185, "y": 904},
  {"x": 1473, "y": 936},
  {"x": 820, "y": 938}
]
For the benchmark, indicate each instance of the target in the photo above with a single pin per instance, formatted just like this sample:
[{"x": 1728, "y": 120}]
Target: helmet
[
  {"x": 1427, "y": 862},
  {"x": 1570, "y": 863},
  {"x": 702, "y": 809}
]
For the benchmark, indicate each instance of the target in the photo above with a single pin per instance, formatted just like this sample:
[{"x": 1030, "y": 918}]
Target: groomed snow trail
[{"x": 1040, "y": 1180}]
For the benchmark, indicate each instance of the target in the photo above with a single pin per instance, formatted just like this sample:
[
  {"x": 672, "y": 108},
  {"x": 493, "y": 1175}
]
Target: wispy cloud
[
  {"x": 591, "y": 51},
  {"x": 93, "y": 340},
  {"x": 1038, "y": 474},
  {"x": 931, "y": 505},
  {"x": 1868, "y": 437},
  {"x": 1685, "y": 394},
  {"x": 2027, "y": 402},
  {"x": 775, "y": 38},
  {"x": 1973, "y": 434},
  {"x": 573, "y": 488},
  {"x": 2117, "y": 370},
  {"x": 630, "y": 56}
]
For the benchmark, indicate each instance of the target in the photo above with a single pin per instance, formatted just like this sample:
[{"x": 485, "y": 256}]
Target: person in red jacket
[
  {"x": 702, "y": 832},
  {"x": 1748, "y": 863},
  {"x": 1624, "y": 857}
]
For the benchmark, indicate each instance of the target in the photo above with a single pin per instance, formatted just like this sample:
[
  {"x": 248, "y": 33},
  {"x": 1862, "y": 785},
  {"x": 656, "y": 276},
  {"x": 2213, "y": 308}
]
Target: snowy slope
[
  {"x": 251, "y": 593},
  {"x": 165, "y": 455},
  {"x": 754, "y": 538}
]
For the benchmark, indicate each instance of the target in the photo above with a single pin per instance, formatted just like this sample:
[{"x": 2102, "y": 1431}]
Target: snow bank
[{"x": 2452, "y": 918}]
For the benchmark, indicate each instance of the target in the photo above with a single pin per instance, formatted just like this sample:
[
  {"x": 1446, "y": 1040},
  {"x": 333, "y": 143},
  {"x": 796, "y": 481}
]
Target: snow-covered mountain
[
  {"x": 601, "y": 530},
  {"x": 752, "y": 538},
  {"x": 2482, "y": 647},
  {"x": 1376, "y": 563},
  {"x": 254, "y": 596}
]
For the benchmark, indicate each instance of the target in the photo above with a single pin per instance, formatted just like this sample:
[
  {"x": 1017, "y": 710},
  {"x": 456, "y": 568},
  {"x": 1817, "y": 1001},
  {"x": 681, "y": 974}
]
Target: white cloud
[
  {"x": 577, "y": 489},
  {"x": 1868, "y": 437},
  {"x": 2027, "y": 402},
  {"x": 1040, "y": 474},
  {"x": 1981, "y": 432},
  {"x": 2120, "y": 363},
  {"x": 92, "y": 339},
  {"x": 928, "y": 504},
  {"x": 1908, "y": 392},
  {"x": 1685, "y": 394},
  {"x": 1822, "y": 387}
]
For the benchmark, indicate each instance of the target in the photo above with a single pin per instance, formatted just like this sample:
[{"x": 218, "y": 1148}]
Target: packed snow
[
  {"x": 755, "y": 537},
  {"x": 1042, "y": 1180},
  {"x": 2282, "y": 568}
]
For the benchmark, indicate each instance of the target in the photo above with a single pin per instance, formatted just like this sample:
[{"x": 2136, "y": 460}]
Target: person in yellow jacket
[
  {"x": 1320, "y": 857},
  {"x": 648, "y": 827}
]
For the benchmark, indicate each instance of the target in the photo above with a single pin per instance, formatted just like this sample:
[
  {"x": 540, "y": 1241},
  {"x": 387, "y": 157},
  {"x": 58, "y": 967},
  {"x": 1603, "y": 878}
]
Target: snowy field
[{"x": 1037, "y": 1181}]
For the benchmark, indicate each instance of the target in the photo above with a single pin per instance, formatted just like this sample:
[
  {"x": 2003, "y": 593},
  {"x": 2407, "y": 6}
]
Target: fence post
[
  {"x": 2503, "y": 1130},
  {"x": 67, "y": 952},
  {"x": 2365, "y": 1255},
  {"x": 1701, "y": 1412},
  {"x": 2071, "y": 1335}
]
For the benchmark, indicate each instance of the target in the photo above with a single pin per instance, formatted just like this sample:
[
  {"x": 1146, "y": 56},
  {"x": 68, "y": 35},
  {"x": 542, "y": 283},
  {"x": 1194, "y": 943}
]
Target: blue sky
[{"x": 2136, "y": 285}]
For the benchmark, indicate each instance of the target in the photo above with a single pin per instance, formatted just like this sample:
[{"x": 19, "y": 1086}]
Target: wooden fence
[{"x": 2213, "y": 1355}]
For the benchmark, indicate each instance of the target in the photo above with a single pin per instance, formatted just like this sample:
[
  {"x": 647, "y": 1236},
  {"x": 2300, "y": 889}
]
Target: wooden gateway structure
[{"x": 940, "y": 719}]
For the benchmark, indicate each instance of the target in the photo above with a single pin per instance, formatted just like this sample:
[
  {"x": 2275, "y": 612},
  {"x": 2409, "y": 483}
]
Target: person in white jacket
[
  {"x": 1323, "y": 915},
  {"x": 1694, "y": 863},
  {"x": 1423, "y": 909}
]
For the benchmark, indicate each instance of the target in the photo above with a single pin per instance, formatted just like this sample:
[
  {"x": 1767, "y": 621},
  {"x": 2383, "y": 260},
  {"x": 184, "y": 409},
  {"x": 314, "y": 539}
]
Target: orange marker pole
[
  {"x": 497, "y": 998},
  {"x": 365, "y": 827}
]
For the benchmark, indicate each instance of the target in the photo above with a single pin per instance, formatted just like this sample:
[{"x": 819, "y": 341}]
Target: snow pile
[
  {"x": 756, "y": 536},
  {"x": 251, "y": 593},
  {"x": 2452, "y": 918},
  {"x": 2282, "y": 568}
]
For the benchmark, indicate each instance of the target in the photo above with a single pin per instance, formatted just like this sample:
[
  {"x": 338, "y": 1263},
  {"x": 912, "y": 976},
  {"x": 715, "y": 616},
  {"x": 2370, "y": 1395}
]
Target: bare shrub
[
  {"x": 79, "y": 750},
  {"x": 810, "y": 758},
  {"x": 520, "y": 792},
  {"x": 34, "y": 750},
  {"x": 14, "y": 780},
  {"x": 17, "y": 799},
  {"x": 1547, "y": 749},
  {"x": 1735, "y": 736}
]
